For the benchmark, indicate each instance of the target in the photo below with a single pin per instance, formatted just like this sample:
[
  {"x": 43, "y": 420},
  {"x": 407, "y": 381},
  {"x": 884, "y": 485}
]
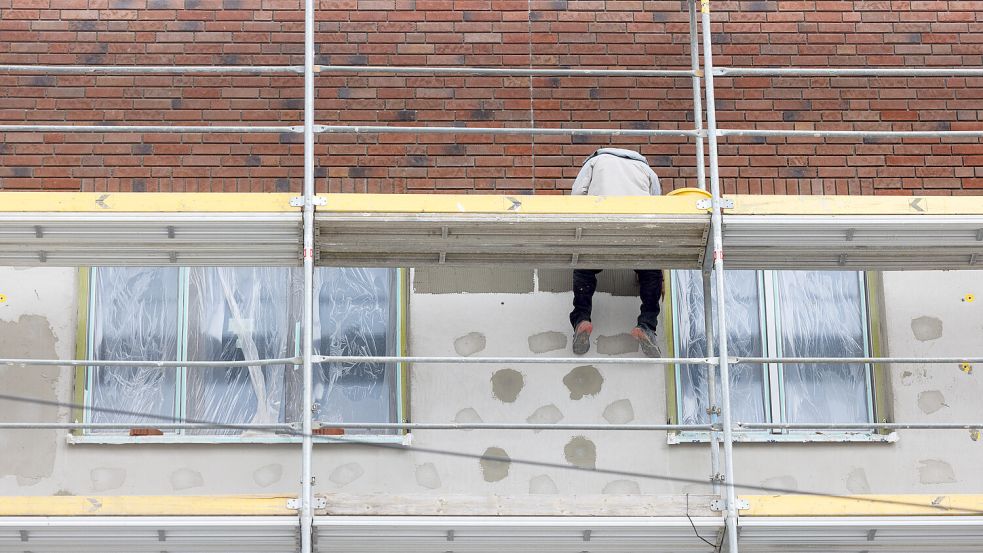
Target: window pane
[
  {"x": 354, "y": 316},
  {"x": 134, "y": 317},
  {"x": 743, "y": 337},
  {"x": 238, "y": 314},
  {"x": 822, "y": 316}
]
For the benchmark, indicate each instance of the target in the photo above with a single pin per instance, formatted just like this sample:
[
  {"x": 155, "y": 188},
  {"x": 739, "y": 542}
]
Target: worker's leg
[
  {"x": 650, "y": 290},
  {"x": 584, "y": 284}
]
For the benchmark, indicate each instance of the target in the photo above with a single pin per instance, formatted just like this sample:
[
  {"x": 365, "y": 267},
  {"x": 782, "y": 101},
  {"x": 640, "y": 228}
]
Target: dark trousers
[{"x": 650, "y": 290}]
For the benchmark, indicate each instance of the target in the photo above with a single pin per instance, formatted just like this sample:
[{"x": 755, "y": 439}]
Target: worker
[{"x": 616, "y": 172}]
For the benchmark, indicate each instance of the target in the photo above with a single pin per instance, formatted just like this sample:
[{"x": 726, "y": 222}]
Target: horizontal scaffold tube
[
  {"x": 189, "y": 129},
  {"x": 416, "y": 129},
  {"x": 859, "y": 426},
  {"x": 152, "y": 69},
  {"x": 854, "y": 360},
  {"x": 848, "y": 71},
  {"x": 151, "y": 364},
  {"x": 511, "y": 426},
  {"x": 132, "y": 426},
  {"x": 509, "y": 360},
  {"x": 849, "y": 134},
  {"x": 503, "y": 71}
]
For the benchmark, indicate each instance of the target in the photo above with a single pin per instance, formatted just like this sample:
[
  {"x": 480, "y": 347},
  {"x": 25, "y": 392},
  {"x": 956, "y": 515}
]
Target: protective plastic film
[
  {"x": 134, "y": 317},
  {"x": 353, "y": 316},
  {"x": 743, "y": 337},
  {"x": 822, "y": 316},
  {"x": 238, "y": 314}
]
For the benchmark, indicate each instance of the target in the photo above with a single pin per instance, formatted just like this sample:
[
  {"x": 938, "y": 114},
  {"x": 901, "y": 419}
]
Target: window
[
  {"x": 786, "y": 314},
  {"x": 239, "y": 314}
]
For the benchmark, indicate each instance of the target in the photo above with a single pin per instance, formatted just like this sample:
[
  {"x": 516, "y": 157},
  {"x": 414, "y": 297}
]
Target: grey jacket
[{"x": 616, "y": 172}]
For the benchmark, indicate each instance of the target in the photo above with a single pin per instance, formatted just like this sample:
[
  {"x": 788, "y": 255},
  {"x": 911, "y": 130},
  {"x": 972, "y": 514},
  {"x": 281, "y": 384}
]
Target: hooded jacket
[{"x": 616, "y": 172}]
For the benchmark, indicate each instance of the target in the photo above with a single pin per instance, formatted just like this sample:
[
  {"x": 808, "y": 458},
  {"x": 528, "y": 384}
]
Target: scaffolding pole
[
  {"x": 647, "y": 361},
  {"x": 151, "y": 69},
  {"x": 501, "y": 71},
  {"x": 848, "y": 71},
  {"x": 694, "y": 56},
  {"x": 307, "y": 443},
  {"x": 528, "y": 131},
  {"x": 716, "y": 216}
]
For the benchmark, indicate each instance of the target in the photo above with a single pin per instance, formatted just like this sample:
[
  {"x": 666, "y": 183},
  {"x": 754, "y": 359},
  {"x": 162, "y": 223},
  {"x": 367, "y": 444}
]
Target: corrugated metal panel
[
  {"x": 828, "y": 242},
  {"x": 496, "y": 534},
  {"x": 71, "y": 239},
  {"x": 543, "y": 241},
  {"x": 149, "y": 534}
]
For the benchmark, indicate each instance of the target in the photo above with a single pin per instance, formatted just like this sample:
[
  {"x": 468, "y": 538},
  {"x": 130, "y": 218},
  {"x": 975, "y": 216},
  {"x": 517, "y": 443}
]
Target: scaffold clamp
[
  {"x": 720, "y": 505},
  {"x": 317, "y": 503},
  {"x": 707, "y": 203},
  {"x": 298, "y": 201}
]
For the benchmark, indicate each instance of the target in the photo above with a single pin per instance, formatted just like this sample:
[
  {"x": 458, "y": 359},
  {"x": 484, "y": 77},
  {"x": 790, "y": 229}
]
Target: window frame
[
  {"x": 83, "y": 377},
  {"x": 876, "y": 377}
]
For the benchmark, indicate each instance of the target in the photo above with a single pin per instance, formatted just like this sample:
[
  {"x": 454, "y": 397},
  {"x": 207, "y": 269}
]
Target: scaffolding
[{"x": 366, "y": 230}]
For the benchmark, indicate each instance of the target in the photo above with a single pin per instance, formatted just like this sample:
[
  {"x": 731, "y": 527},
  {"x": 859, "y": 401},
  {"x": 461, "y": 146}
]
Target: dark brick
[
  {"x": 406, "y": 115},
  {"x": 139, "y": 185},
  {"x": 253, "y": 161},
  {"x": 357, "y": 172},
  {"x": 282, "y": 185}
]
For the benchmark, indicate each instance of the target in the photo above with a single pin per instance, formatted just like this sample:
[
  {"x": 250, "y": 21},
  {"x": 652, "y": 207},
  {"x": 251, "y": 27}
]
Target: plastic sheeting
[
  {"x": 239, "y": 314},
  {"x": 822, "y": 316},
  {"x": 743, "y": 338},
  {"x": 133, "y": 317},
  {"x": 354, "y": 317},
  {"x": 818, "y": 314}
]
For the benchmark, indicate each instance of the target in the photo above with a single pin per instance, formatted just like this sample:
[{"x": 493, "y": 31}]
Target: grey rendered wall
[{"x": 925, "y": 315}]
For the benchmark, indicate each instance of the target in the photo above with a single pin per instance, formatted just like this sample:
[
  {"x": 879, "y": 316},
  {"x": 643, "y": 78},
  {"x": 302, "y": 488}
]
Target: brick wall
[{"x": 543, "y": 33}]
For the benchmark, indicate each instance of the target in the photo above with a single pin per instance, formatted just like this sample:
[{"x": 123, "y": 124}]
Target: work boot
[
  {"x": 648, "y": 340},
  {"x": 581, "y": 337}
]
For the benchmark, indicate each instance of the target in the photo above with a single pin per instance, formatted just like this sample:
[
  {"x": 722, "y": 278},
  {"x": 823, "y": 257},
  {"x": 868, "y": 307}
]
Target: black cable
[{"x": 695, "y": 531}]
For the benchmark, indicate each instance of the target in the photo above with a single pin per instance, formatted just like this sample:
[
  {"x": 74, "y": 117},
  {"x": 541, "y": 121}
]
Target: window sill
[
  {"x": 797, "y": 437},
  {"x": 110, "y": 439}
]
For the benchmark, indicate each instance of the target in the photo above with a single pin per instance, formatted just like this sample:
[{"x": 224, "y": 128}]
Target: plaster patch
[
  {"x": 581, "y": 452},
  {"x": 185, "y": 478},
  {"x": 469, "y": 344},
  {"x": 426, "y": 476},
  {"x": 506, "y": 384},
  {"x": 617, "y": 344},
  {"x": 781, "y": 483},
  {"x": 495, "y": 464},
  {"x": 856, "y": 481},
  {"x": 346, "y": 474},
  {"x": 619, "y": 412},
  {"x": 935, "y": 471},
  {"x": 547, "y": 414},
  {"x": 547, "y": 341},
  {"x": 467, "y": 416},
  {"x": 542, "y": 484},
  {"x": 926, "y": 328},
  {"x": 906, "y": 378},
  {"x": 931, "y": 401},
  {"x": 29, "y": 456},
  {"x": 268, "y": 475},
  {"x": 105, "y": 478},
  {"x": 584, "y": 380},
  {"x": 622, "y": 487}
]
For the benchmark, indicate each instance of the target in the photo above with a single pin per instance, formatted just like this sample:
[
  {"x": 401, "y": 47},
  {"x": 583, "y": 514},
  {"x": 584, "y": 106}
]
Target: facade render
[{"x": 264, "y": 269}]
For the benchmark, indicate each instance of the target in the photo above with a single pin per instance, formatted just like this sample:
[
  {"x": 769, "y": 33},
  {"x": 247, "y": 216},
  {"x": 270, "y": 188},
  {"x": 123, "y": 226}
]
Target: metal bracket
[
  {"x": 318, "y": 503},
  {"x": 717, "y": 478},
  {"x": 720, "y": 505},
  {"x": 298, "y": 201},
  {"x": 713, "y": 410},
  {"x": 707, "y": 203}
]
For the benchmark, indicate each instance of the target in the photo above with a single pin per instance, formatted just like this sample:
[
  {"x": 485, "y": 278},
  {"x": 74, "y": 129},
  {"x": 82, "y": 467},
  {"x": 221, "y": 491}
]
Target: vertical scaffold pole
[
  {"x": 712, "y": 402},
  {"x": 694, "y": 55},
  {"x": 718, "y": 267},
  {"x": 701, "y": 182},
  {"x": 307, "y": 490}
]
